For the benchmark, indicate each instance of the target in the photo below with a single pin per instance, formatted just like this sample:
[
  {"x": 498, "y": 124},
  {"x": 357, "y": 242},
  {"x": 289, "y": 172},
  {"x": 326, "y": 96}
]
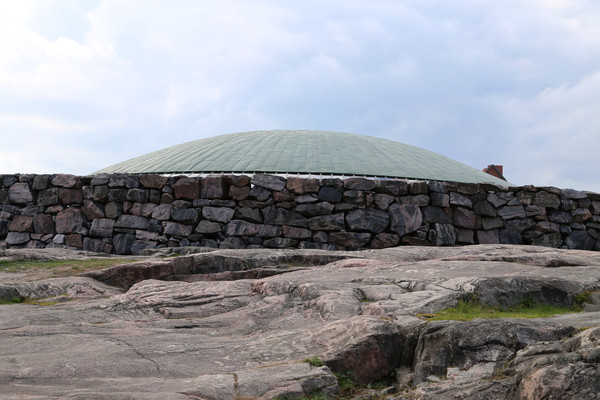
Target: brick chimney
[{"x": 495, "y": 170}]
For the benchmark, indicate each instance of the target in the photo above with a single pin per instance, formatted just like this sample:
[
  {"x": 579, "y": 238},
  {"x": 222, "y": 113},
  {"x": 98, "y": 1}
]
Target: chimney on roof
[{"x": 495, "y": 170}]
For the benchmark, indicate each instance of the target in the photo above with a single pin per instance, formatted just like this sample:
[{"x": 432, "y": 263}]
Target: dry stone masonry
[{"x": 125, "y": 214}]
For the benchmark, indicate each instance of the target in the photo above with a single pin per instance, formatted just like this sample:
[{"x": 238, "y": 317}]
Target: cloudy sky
[{"x": 86, "y": 84}]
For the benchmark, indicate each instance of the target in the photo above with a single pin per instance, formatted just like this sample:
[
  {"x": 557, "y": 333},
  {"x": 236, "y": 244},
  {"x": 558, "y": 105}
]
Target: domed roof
[{"x": 303, "y": 152}]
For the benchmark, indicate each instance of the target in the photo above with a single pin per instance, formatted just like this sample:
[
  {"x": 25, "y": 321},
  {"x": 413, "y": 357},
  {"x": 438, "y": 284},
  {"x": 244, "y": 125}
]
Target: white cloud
[{"x": 480, "y": 82}]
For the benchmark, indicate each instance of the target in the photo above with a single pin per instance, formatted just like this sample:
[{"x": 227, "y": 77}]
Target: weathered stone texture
[
  {"x": 19, "y": 193},
  {"x": 154, "y": 209},
  {"x": 369, "y": 219},
  {"x": 405, "y": 218}
]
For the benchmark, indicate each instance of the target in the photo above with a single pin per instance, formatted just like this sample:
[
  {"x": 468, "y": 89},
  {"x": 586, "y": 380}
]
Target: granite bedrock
[{"x": 128, "y": 213}]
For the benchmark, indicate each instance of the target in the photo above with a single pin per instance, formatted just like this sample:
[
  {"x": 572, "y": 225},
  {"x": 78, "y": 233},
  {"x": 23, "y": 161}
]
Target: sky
[{"x": 85, "y": 84}]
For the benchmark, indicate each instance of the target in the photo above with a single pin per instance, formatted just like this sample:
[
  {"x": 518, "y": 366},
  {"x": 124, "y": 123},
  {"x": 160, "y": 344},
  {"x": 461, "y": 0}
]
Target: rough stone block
[
  {"x": 241, "y": 228},
  {"x": 74, "y": 240},
  {"x": 465, "y": 236},
  {"x": 581, "y": 215},
  {"x": 460, "y": 200},
  {"x": 70, "y": 196},
  {"x": 302, "y": 185},
  {"x": 280, "y": 197},
  {"x": 213, "y": 187},
  {"x": 208, "y": 227},
  {"x": 15, "y": 238},
  {"x": 499, "y": 199},
  {"x": 511, "y": 212},
  {"x": 385, "y": 240},
  {"x": 463, "y": 218},
  {"x": 152, "y": 181},
  {"x": 132, "y": 222},
  {"x": 442, "y": 235},
  {"x": 351, "y": 240},
  {"x": 188, "y": 216},
  {"x": 97, "y": 245},
  {"x": 122, "y": 243},
  {"x": 21, "y": 223},
  {"x": 359, "y": 184},
  {"x": 520, "y": 225},
  {"x": 260, "y": 193},
  {"x": 392, "y": 187},
  {"x": 64, "y": 180},
  {"x": 280, "y": 216},
  {"x": 368, "y": 219},
  {"x": 437, "y": 215},
  {"x": 405, "y": 218},
  {"x": 40, "y": 182},
  {"x": 142, "y": 209},
  {"x": 560, "y": 217},
  {"x": 249, "y": 214},
  {"x": 330, "y": 194},
  {"x": 580, "y": 240},
  {"x": 296, "y": 233},
  {"x": 491, "y": 223},
  {"x": 176, "y": 229},
  {"x": 102, "y": 227},
  {"x": 280, "y": 243},
  {"x": 488, "y": 237},
  {"x": 548, "y": 240},
  {"x": 69, "y": 219},
  {"x": 573, "y": 194},
  {"x": 239, "y": 192},
  {"x": 314, "y": 209},
  {"x": 437, "y": 187},
  {"x": 218, "y": 214},
  {"x": 19, "y": 193},
  {"x": 546, "y": 200},
  {"x": 419, "y": 200},
  {"x": 485, "y": 209},
  {"x": 270, "y": 182},
  {"x": 331, "y": 222},
  {"x": 440, "y": 199},
  {"x": 270, "y": 231},
  {"x": 187, "y": 188}
]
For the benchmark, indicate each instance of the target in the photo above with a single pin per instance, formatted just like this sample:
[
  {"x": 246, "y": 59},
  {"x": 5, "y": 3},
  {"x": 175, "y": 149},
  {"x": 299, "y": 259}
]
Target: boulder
[
  {"x": 19, "y": 193},
  {"x": 331, "y": 222},
  {"x": 442, "y": 235},
  {"x": 213, "y": 187},
  {"x": 281, "y": 216},
  {"x": 405, "y": 219},
  {"x": 368, "y": 219},
  {"x": 350, "y": 240},
  {"x": 187, "y": 188},
  {"x": 218, "y": 214},
  {"x": 269, "y": 182},
  {"x": 132, "y": 222},
  {"x": 69, "y": 220},
  {"x": 102, "y": 227},
  {"x": 302, "y": 185},
  {"x": 21, "y": 223}
]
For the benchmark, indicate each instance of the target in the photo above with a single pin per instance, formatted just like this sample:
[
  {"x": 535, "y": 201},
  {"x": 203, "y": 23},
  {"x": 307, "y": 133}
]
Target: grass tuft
[
  {"x": 314, "y": 361},
  {"x": 471, "y": 309}
]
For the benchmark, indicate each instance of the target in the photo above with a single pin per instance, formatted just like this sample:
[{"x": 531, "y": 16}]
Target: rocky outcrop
[
  {"x": 232, "y": 324},
  {"x": 127, "y": 214}
]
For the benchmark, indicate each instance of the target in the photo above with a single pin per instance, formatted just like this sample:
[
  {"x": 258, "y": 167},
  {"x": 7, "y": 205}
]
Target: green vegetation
[
  {"x": 60, "y": 267},
  {"x": 14, "y": 300},
  {"x": 314, "y": 361},
  {"x": 346, "y": 384},
  {"x": 471, "y": 309}
]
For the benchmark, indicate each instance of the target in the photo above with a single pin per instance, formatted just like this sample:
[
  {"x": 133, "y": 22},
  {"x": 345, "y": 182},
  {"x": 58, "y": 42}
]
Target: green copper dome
[{"x": 303, "y": 152}]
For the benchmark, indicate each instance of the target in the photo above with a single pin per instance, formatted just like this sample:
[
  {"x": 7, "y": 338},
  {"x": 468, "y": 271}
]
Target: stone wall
[{"x": 125, "y": 214}]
